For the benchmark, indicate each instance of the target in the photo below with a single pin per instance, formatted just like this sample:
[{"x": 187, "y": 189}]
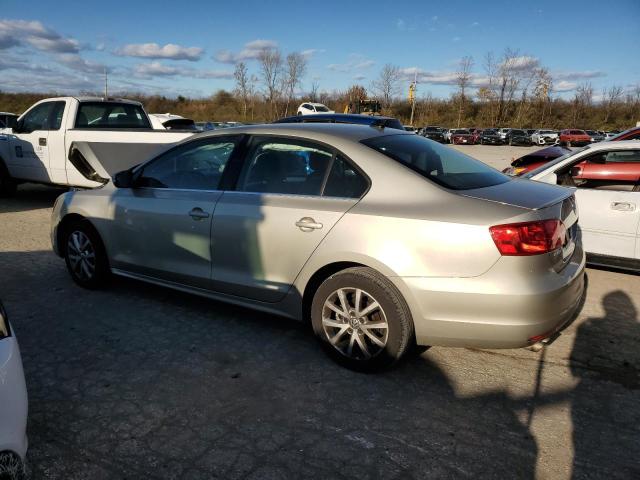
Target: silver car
[{"x": 383, "y": 239}]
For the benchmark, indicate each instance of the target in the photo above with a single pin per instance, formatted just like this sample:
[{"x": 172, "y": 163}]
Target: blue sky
[{"x": 189, "y": 47}]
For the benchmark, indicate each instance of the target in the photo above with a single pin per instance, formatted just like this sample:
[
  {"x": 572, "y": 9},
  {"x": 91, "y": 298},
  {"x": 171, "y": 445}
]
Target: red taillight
[{"x": 529, "y": 238}]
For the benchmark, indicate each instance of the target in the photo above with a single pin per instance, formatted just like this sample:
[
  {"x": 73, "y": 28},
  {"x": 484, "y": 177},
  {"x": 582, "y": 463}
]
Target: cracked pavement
[{"x": 137, "y": 381}]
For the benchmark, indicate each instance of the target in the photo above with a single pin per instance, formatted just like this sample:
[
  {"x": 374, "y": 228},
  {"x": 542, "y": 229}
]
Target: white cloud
[
  {"x": 17, "y": 32},
  {"x": 580, "y": 75},
  {"x": 475, "y": 24},
  {"x": 523, "y": 62},
  {"x": 564, "y": 86},
  {"x": 400, "y": 24},
  {"x": 76, "y": 62},
  {"x": 251, "y": 51},
  {"x": 157, "y": 69},
  {"x": 311, "y": 52},
  {"x": 355, "y": 62},
  {"x": 169, "y": 51},
  {"x": 456, "y": 39}
]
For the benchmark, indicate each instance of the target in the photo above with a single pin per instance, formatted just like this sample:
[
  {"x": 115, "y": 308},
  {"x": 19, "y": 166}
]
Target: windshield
[
  {"x": 111, "y": 115},
  {"x": 438, "y": 163},
  {"x": 556, "y": 161},
  {"x": 461, "y": 132},
  {"x": 489, "y": 131}
]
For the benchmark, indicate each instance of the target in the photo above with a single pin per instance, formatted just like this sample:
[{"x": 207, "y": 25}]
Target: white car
[
  {"x": 169, "y": 121},
  {"x": 606, "y": 177},
  {"x": 544, "y": 137},
  {"x": 309, "y": 108},
  {"x": 13, "y": 404}
]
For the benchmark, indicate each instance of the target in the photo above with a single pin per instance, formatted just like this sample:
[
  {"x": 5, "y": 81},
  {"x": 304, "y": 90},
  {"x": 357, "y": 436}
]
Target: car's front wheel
[
  {"x": 85, "y": 255},
  {"x": 362, "y": 320}
]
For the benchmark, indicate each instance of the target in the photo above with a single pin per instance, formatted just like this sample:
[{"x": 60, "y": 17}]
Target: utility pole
[
  {"x": 412, "y": 95},
  {"x": 106, "y": 90}
]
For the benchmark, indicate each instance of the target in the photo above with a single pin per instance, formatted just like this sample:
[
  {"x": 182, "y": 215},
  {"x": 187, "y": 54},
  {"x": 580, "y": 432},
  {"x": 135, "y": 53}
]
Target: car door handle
[
  {"x": 198, "y": 214},
  {"x": 42, "y": 142},
  {"x": 307, "y": 224},
  {"x": 623, "y": 206}
]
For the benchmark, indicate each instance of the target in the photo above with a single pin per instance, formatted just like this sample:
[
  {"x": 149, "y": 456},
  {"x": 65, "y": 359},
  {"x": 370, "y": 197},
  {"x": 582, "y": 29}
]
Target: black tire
[
  {"x": 393, "y": 310},
  {"x": 96, "y": 261},
  {"x": 8, "y": 185}
]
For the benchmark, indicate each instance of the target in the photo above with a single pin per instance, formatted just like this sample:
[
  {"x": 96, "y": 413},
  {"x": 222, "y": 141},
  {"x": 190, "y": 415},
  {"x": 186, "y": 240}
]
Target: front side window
[
  {"x": 111, "y": 115},
  {"x": 285, "y": 166},
  {"x": 197, "y": 165},
  {"x": 46, "y": 116},
  {"x": 443, "y": 165}
]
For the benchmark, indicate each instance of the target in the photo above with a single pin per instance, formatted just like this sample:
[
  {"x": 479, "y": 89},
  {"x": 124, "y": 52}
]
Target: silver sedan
[{"x": 384, "y": 240}]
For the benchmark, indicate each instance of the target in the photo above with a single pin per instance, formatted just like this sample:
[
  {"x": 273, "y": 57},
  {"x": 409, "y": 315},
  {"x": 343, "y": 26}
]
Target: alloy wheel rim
[
  {"x": 82, "y": 255},
  {"x": 355, "y": 323}
]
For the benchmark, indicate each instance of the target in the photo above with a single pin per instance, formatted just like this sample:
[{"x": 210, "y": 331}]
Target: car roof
[
  {"x": 323, "y": 132},
  {"x": 93, "y": 99}
]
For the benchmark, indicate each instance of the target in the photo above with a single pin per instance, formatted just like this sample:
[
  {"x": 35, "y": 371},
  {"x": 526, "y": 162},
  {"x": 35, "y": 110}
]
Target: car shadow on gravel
[
  {"x": 31, "y": 197},
  {"x": 139, "y": 381}
]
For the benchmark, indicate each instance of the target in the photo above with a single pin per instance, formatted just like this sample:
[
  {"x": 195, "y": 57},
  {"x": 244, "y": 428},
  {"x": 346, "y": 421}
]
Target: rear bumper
[
  {"x": 503, "y": 308},
  {"x": 13, "y": 399}
]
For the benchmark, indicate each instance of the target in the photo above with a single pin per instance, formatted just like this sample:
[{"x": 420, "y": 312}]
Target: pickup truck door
[
  {"x": 162, "y": 226},
  {"x": 29, "y": 145}
]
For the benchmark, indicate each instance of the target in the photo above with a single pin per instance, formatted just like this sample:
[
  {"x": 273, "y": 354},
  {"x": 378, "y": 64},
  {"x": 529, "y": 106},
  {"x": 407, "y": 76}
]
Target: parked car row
[{"x": 513, "y": 136}]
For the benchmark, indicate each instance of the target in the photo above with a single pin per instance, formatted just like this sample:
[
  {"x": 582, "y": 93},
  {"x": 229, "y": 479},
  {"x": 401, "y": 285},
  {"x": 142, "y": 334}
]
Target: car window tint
[
  {"x": 438, "y": 163},
  {"x": 38, "y": 117},
  {"x": 197, "y": 165},
  {"x": 623, "y": 156},
  {"x": 344, "y": 180},
  {"x": 285, "y": 166}
]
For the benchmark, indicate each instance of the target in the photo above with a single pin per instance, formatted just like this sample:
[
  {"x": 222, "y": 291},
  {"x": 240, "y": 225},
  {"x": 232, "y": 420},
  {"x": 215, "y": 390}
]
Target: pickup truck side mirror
[{"x": 19, "y": 126}]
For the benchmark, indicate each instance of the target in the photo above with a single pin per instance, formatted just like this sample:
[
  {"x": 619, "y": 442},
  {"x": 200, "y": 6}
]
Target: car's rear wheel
[
  {"x": 11, "y": 467},
  {"x": 362, "y": 320},
  {"x": 85, "y": 255}
]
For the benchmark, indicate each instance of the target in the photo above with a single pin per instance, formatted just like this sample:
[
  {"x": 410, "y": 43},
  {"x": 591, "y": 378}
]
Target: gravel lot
[{"x": 141, "y": 382}]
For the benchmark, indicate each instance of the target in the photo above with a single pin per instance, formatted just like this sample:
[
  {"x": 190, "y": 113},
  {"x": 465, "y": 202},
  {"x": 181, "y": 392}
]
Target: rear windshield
[
  {"x": 438, "y": 163},
  {"x": 111, "y": 115}
]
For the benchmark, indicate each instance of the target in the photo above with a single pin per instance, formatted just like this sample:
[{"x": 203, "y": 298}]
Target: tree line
[{"x": 512, "y": 90}]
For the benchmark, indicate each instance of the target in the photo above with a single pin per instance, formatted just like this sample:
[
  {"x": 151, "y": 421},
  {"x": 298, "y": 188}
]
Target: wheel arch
[{"x": 70, "y": 219}]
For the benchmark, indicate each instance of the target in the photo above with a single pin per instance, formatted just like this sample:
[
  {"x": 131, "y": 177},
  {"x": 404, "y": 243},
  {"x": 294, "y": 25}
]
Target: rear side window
[
  {"x": 111, "y": 115},
  {"x": 285, "y": 166},
  {"x": 440, "y": 164}
]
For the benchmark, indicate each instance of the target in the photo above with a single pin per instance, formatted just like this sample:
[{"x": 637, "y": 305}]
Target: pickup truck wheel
[
  {"x": 85, "y": 255},
  {"x": 362, "y": 320},
  {"x": 8, "y": 185}
]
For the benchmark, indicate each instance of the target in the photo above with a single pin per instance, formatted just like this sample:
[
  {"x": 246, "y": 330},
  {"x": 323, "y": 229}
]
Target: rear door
[
  {"x": 162, "y": 226},
  {"x": 289, "y": 194}
]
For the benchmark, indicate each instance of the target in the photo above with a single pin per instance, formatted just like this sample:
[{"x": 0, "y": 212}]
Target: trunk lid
[{"x": 521, "y": 193}]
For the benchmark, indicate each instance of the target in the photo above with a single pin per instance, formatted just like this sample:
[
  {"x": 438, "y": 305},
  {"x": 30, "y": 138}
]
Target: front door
[
  {"x": 29, "y": 144},
  {"x": 163, "y": 224},
  {"x": 287, "y": 199}
]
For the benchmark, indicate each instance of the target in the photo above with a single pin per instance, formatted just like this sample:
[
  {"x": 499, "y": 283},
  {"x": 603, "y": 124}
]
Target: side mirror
[
  {"x": 19, "y": 126},
  {"x": 124, "y": 179}
]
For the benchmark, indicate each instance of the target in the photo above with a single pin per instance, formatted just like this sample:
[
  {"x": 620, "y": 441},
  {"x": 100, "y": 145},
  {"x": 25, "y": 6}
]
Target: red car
[
  {"x": 631, "y": 134},
  {"x": 606, "y": 167},
  {"x": 573, "y": 137},
  {"x": 531, "y": 161},
  {"x": 462, "y": 136}
]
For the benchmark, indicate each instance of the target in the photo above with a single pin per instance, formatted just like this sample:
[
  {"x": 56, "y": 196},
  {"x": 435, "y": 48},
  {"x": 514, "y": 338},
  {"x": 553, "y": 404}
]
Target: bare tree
[
  {"x": 295, "y": 70},
  {"x": 611, "y": 97},
  {"x": 582, "y": 100},
  {"x": 242, "y": 89},
  {"x": 463, "y": 79},
  {"x": 313, "y": 93},
  {"x": 542, "y": 91},
  {"x": 271, "y": 70},
  {"x": 507, "y": 82},
  {"x": 387, "y": 85}
]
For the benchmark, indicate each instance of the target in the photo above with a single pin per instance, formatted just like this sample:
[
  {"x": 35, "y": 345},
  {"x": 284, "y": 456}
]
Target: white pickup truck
[{"x": 39, "y": 147}]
